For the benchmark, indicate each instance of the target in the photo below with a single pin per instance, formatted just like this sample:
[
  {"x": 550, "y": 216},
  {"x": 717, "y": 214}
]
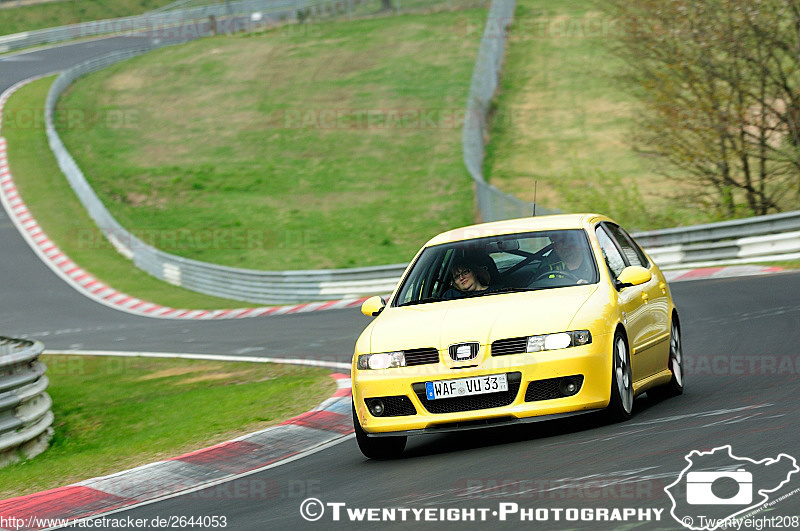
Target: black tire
[
  {"x": 620, "y": 406},
  {"x": 675, "y": 386},
  {"x": 378, "y": 447}
]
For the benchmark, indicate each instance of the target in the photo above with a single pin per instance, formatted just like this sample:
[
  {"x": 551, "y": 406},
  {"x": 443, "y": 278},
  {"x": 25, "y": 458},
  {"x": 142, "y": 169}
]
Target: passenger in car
[{"x": 466, "y": 279}]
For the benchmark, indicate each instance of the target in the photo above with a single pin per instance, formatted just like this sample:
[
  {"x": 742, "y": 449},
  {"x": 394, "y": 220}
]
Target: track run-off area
[{"x": 740, "y": 339}]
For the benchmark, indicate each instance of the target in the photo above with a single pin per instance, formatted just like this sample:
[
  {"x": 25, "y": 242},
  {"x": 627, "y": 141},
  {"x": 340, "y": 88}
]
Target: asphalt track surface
[{"x": 740, "y": 340}]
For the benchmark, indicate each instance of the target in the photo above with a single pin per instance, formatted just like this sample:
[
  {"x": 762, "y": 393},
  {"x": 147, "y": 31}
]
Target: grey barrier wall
[
  {"x": 772, "y": 237},
  {"x": 737, "y": 228},
  {"x": 176, "y": 22},
  {"x": 151, "y": 22},
  {"x": 283, "y": 287},
  {"x": 493, "y": 204},
  {"x": 263, "y": 287},
  {"x": 25, "y": 417}
]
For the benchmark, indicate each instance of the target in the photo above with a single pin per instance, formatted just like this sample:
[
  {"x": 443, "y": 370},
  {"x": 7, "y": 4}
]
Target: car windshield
[{"x": 499, "y": 264}]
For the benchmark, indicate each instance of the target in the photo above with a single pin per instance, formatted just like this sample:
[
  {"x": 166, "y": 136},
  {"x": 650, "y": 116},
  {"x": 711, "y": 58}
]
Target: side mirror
[
  {"x": 633, "y": 276},
  {"x": 373, "y": 306}
]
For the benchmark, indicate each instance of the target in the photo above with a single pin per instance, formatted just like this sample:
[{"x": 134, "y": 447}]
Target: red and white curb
[
  {"x": 680, "y": 275},
  {"x": 328, "y": 424}
]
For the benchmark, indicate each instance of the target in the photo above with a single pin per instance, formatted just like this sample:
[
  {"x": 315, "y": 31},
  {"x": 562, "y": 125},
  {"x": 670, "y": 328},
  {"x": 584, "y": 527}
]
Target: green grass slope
[
  {"x": 562, "y": 119},
  {"x": 324, "y": 146}
]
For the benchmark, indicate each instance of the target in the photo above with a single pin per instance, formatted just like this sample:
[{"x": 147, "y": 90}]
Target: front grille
[
  {"x": 394, "y": 406},
  {"x": 421, "y": 356},
  {"x": 470, "y": 351},
  {"x": 471, "y": 403},
  {"x": 549, "y": 389},
  {"x": 513, "y": 345}
]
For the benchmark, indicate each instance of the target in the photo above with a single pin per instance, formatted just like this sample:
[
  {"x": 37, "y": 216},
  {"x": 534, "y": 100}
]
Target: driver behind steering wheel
[{"x": 569, "y": 255}]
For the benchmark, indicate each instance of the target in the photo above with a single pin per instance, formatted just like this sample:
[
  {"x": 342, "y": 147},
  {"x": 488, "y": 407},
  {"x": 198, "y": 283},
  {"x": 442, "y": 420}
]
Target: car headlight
[
  {"x": 558, "y": 341},
  {"x": 382, "y": 360}
]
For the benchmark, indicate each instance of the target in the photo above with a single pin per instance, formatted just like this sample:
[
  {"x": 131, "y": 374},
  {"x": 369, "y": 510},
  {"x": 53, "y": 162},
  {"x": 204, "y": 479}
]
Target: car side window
[
  {"x": 611, "y": 254},
  {"x": 629, "y": 248},
  {"x": 422, "y": 286}
]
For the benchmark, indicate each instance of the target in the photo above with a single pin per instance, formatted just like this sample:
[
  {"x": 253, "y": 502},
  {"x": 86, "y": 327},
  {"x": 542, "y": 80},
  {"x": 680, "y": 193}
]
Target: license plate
[{"x": 477, "y": 385}]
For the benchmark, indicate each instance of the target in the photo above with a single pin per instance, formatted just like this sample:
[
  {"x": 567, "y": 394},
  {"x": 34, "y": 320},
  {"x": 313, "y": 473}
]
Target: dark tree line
[{"x": 720, "y": 84}]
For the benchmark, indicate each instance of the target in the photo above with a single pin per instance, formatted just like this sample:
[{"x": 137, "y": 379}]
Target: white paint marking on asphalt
[
  {"x": 75, "y": 351},
  {"x": 653, "y": 424},
  {"x": 248, "y": 349}
]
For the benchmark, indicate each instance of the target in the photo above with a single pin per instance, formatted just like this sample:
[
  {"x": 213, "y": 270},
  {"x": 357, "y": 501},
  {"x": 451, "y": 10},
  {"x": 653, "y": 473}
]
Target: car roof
[{"x": 512, "y": 226}]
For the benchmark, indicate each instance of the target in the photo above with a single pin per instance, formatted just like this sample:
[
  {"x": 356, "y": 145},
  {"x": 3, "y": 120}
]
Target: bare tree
[{"x": 720, "y": 85}]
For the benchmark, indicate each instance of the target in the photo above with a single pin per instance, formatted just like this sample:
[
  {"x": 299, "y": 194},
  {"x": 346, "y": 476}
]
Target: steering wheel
[{"x": 563, "y": 273}]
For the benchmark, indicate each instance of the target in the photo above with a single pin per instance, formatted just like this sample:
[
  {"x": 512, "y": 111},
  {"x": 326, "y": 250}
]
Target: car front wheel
[
  {"x": 621, "y": 404},
  {"x": 389, "y": 447}
]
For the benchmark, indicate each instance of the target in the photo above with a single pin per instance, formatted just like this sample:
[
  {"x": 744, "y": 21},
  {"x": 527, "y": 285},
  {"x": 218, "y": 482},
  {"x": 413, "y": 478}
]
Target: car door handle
[
  {"x": 663, "y": 287},
  {"x": 644, "y": 296}
]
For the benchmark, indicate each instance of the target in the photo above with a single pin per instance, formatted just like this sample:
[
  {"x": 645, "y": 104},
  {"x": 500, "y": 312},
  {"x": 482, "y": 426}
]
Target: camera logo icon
[{"x": 699, "y": 489}]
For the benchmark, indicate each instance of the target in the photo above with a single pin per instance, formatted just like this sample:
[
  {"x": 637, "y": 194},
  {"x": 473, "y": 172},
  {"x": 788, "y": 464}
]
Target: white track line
[{"x": 207, "y": 357}]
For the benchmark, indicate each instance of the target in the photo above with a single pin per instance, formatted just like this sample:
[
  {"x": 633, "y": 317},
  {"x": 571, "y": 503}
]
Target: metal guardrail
[
  {"x": 744, "y": 239},
  {"x": 262, "y": 287},
  {"x": 153, "y": 23},
  {"x": 772, "y": 237},
  {"x": 280, "y": 287},
  {"x": 736, "y": 228},
  {"x": 492, "y": 203},
  {"x": 25, "y": 417},
  {"x": 178, "y": 22}
]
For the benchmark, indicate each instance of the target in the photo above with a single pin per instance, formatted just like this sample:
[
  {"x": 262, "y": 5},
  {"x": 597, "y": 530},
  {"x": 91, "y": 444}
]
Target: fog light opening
[
  {"x": 376, "y": 407},
  {"x": 568, "y": 387}
]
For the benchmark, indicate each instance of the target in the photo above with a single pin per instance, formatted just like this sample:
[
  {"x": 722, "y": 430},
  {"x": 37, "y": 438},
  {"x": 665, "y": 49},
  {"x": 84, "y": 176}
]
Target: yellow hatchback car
[{"x": 514, "y": 321}]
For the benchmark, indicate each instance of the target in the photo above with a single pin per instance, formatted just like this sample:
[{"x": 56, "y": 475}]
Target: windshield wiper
[
  {"x": 511, "y": 289},
  {"x": 420, "y": 301}
]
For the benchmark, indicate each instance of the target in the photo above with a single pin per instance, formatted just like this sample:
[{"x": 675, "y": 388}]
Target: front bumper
[{"x": 592, "y": 362}]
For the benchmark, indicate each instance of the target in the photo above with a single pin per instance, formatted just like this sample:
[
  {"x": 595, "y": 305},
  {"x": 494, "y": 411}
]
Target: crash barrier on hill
[
  {"x": 263, "y": 287},
  {"x": 25, "y": 416},
  {"x": 670, "y": 248},
  {"x": 493, "y": 204},
  {"x": 169, "y": 24},
  {"x": 186, "y": 22},
  {"x": 774, "y": 236}
]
